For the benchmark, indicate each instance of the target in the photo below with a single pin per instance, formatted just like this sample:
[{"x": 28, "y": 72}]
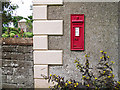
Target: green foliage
[
  {"x": 103, "y": 79},
  {"x": 87, "y": 75},
  {"x": 29, "y": 22},
  {"x": 12, "y": 35},
  {"x": 15, "y": 20},
  {"x": 62, "y": 84},
  {"x": 5, "y": 35},
  {"x": 28, "y": 34},
  {"x": 7, "y": 17},
  {"x": 4, "y": 29},
  {"x": 7, "y": 9},
  {"x": 15, "y": 33}
]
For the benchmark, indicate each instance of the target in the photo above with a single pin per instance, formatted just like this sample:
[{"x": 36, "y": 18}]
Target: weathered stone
[
  {"x": 0, "y": 55},
  {"x": 29, "y": 83},
  {"x": 0, "y": 78},
  {"x": 17, "y": 41},
  {"x": 4, "y": 78},
  {"x": 6, "y": 85},
  {"x": 0, "y": 20},
  {"x": 21, "y": 49},
  {"x": 17, "y": 56},
  {"x": 29, "y": 56},
  {"x": 7, "y": 70},
  {"x": 0, "y": 46},
  {"x": 10, "y": 79},
  {"x": 16, "y": 70},
  {"x": 9, "y": 48},
  {"x": 23, "y": 68},
  {"x": 15, "y": 48},
  {"x": 30, "y": 49},
  {"x": 6, "y": 55},
  {"x": 119, "y": 40},
  {"x": 10, "y": 63},
  {"x": 0, "y": 63},
  {"x": 21, "y": 86},
  {"x": 21, "y": 79},
  {"x": 101, "y": 33}
]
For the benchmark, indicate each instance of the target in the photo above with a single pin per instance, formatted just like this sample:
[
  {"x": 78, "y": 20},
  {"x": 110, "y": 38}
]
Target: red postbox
[{"x": 77, "y": 31}]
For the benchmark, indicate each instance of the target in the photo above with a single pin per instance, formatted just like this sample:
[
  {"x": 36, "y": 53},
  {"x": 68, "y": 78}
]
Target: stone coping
[{"x": 16, "y": 41}]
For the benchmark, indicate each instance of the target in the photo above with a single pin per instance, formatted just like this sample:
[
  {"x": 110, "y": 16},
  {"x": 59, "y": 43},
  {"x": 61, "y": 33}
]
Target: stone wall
[
  {"x": 0, "y": 66},
  {"x": 119, "y": 40},
  {"x": 101, "y": 33},
  {"x": 0, "y": 18},
  {"x": 17, "y": 65},
  {"x": 0, "y": 45}
]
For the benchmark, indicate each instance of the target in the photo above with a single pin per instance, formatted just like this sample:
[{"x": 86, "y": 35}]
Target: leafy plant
[
  {"x": 106, "y": 76},
  {"x": 16, "y": 32},
  {"x": 12, "y": 35},
  {"x": 5, "y": 35},
  {"x": 4, "y": 29},
  {"x": 87, "y": 75},
  {"x": 61, "y": 84},
  {"x": 29, "y": 22},
  {"x": 7, "y": 9},
  {"x": 15, "y": 20},
  {"x": 104, "y": 79},
  {"x": 28, "y": 34}
]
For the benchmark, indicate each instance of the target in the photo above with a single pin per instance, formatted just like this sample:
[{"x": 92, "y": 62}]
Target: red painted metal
[{"x": 77, "y": 31}]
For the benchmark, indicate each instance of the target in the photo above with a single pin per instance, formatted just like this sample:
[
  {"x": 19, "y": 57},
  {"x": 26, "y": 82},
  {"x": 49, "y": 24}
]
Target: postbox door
[
  {"x": 77, "y": 37},
  {"x": 77, "y": 32}
]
